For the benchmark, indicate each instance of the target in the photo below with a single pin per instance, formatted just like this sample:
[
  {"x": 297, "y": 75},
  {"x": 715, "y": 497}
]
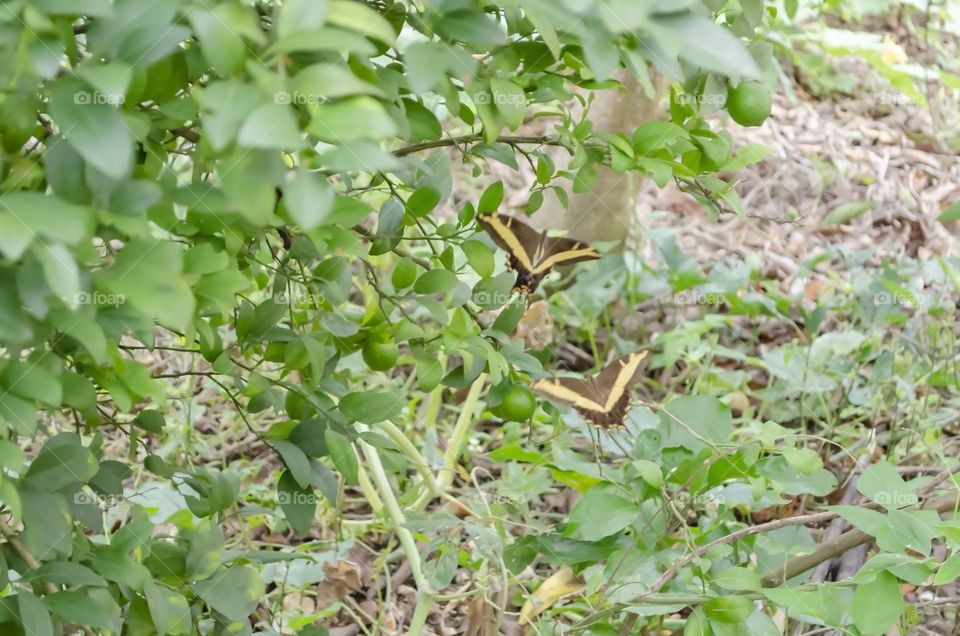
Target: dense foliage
[{"x": 270, "y": 190}]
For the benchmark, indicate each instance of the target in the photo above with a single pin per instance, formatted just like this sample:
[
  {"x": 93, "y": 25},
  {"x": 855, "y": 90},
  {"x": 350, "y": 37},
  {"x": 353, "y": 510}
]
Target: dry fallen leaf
[
  {"x": 536, "y": 326},
  {"x": 481, "y": 618},
  {"x": 559, "y": 584},
  {"x": 339, "y": 578}
]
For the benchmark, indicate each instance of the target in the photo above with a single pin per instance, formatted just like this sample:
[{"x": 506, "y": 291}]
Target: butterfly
[
  {"x": 532, "y": 254},
  {"x": 604, "y": 399}
]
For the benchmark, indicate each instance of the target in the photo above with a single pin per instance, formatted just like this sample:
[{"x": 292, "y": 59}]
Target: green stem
[
  {"x": 393, "y": 510},
  {"x": 411, "y": 452},
  {"x": 460, "y": 431},
  {"x": 420, "y": 612}
]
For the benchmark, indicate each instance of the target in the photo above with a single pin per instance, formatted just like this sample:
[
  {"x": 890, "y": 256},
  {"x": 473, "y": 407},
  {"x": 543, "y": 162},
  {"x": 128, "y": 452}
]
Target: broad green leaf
[
  {"x": 206, "y": 551},
  {"x": 168, "y": 608},
  {"x": 371, "y": 407},
  {"x": 949, "y": 570},
  {"x": 435, "y": 281},
  {"x": 61, "y": 464},
  {"x": 422, "y": 201},
  {"x": 270, "y": 126},
  {"x": 146, "y": 275},
  {"x": 361, "y": 18},
  {"x": 26, "y": 215},
  {"x": 877, "y": 605},
  {"x": 95, "y": 129},
  {"x": 31, "y": 379},
  {"x": 34, "y": 616},
  {"x": 323, "y": 81},
  {"x": 298, "y": 503},
  {"x": 308, "y": 198},
  {"x": 737, "y": 579},
  {"x": 93, "y": 607},
  {"x": 510, "y": 100},
  {"x": 226, "y": 105},
  {"x": 729, "y": 609},
  {"x": 219, "y": 31},
  {"x": 479, "y": 257},
  {"x": 234, "y": 592},
  {"x": 491, "y": 198},
  {"x": 341, "y": 452},
  {"x": 295, "y": 460},
  {"x": 350, "y": 119},
  {"x": 702, "y": 42},
  {"x": 599, "y": 514},
  {"x": 883, "y": 485},
  {"x": 705, "y": 416},
  {"x": 299, "y": 15}
]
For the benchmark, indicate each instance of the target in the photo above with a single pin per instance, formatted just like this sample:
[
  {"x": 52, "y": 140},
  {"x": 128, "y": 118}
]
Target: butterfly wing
[
  {"x": 616, "y": 380},
  {"x": 580, "y": 394},
  {"x": 519, "y": 240},
  {"x": 562, "y": 251}
]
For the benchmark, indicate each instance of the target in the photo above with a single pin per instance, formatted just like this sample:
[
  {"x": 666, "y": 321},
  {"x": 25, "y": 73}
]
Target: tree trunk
[{"x": 605, "y": 212}]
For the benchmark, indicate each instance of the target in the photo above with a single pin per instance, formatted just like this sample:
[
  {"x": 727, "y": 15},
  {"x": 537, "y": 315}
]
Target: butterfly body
[
  {"x": 602, "y": 400},
  {"x": 532, "y": 254}
]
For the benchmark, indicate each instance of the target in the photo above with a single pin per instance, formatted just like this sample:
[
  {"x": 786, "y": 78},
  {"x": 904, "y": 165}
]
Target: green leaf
[
  {"x": 32, "y": 380},
  {"x": 949, "y": 570},
  {"x": 738, "y": 579},
  {"x": 491, "y": 198},
  {"x": 219, "y": 34},
  {"x": 341, "y": 452},
  {"x": 952, "y": 213},
  {"x": 350, "y": 119},
  {"x": 298, "y": 15},
  {"x": 168, "y": 608},
  {"x": 319, "y": 82},
  {"x": 270, "y": 126},
  {"x": 435, "y": 281},
  {"x": 308, "y": 198},
  {"x": 877, "y": 605},
  {"x": 234, "y": 592},
  {"x": 729, "y": 609},
  {"x": 295, "y": 460},
  {"x": 65, "y": 573},
  {"x": 93, "y": 607},
  {"x": 599, "y": 514},
  {"x": 479, "y": 256},
  {"x": 61, "y": 464},
  {"x": 95, "y": 129},
  {"x": 34, "y": 616},
  {"x": 883, "y": 485},
  {"x": 704, "y": 415},
  {"x": 226, "y": 105},
  {"x": 846, "y": 212},
  {"x": 422, "y": 201},
  {"x": 298, "y": 503},
  {"x": 702, "y": 42},
  {"x": 510, "y": 100},
  {"x": 362, "y": 19},
  {"x": 146, "y": 274},
  {"x": 206, "y": 551},
  {"x": 25, "y": 215},
  {"x": 371, "y": 407}
]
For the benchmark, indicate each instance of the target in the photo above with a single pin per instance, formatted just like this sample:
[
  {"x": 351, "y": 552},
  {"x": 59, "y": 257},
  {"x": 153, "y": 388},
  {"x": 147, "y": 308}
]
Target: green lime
[
  {"x": 518, "y": 404},
  {"x": 380, "y": 355},
  {"x": 748, "y": 103},
  {"x": 404, "y": 273}
]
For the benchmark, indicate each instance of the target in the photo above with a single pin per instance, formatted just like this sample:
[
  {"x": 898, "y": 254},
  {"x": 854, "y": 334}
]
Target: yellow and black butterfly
[
  {"x": 604, "y": 399},
  {"x": 530, "y": 253}
]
